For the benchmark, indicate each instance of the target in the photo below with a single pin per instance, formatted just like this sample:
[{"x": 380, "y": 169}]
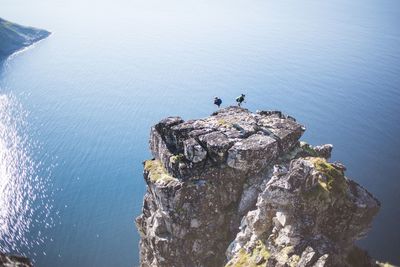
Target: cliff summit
[{"x": 239, "y": 189}]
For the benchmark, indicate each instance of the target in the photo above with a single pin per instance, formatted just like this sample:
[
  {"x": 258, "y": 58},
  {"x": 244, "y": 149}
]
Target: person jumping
[{"x": 240, "y": 99}]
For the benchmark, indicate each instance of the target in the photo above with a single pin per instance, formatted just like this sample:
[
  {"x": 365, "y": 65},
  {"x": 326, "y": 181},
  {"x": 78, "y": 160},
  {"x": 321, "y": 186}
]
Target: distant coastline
[{"x": 14, "y": 37}]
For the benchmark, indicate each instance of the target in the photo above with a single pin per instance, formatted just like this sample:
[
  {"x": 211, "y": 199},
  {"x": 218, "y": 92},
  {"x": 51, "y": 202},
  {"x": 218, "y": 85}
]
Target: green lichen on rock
[
  {"x": 330, "y": 180},
  {"x": 156, "y": 171},
  {"x": 176, "y": 158},
  {"x": 293, "y": 260},
  {"x": 308, "y": 149},
  {"x": 255, "y": 257},
  {"x": 319, "y": 191},
  {"x": 330, "y": 172},
  {"x": 224, "y": 123},
  {"x": 335, "y": 180}
]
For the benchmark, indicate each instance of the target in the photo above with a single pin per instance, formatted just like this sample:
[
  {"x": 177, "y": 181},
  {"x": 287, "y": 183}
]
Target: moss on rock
[
  {"x": 334, "y": 181},
  {"x": 156, "y": 171},
  {"x": 293, "y": 260},
  {"x": 176, "y": 158},
  {"x": 308, "y": 149},
  {"x": 330, "y": 180},
  {"x": 256, "y": 257}
]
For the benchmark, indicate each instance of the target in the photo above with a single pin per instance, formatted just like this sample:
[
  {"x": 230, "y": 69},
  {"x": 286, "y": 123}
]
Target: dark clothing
[
  {"x": 239, "y": 100},
  {"x": 218, "y": 102}
]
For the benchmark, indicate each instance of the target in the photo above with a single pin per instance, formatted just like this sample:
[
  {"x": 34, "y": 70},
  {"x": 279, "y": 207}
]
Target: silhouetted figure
[
  {"x": 240, "y": 99},
  {"x": 217, "y": 101}
]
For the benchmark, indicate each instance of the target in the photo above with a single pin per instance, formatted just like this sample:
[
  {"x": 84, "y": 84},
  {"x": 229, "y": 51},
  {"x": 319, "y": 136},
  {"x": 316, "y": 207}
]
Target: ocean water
[{"x": 76, "y": 108}]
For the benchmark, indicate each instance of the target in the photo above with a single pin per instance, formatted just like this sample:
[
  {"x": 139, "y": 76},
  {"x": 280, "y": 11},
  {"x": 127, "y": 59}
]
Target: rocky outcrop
[
  {"x": 14, "y": 261},
  {"x": 14, "y": 37},
  {"x": 238, "y": 188},
  {"x": 308, "y": 216}
]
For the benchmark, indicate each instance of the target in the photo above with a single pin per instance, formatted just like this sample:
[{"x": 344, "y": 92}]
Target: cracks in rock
[{"x": 269, "y": 133}]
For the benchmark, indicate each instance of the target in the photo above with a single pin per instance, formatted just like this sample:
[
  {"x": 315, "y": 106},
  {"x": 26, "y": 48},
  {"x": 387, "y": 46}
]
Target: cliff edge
[
  {"x": 14, "y": 37},
  {"x": 239, "y": 189}
]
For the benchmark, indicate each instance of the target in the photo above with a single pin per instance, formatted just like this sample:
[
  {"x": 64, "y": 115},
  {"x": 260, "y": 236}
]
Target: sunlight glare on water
[
  {"x": 24, "y": 197},
  {"x": 112, "y": 69}
]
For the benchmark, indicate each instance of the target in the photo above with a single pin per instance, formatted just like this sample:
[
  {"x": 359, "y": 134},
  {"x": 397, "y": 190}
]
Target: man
[
  {"x": 217, "y": 101},
  {"x": 240, "y": 99}
]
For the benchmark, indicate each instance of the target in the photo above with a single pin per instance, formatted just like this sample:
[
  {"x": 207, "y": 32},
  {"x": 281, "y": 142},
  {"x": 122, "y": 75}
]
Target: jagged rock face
[
  {"x": 14, "y": 261},
  {"x": 309, "y": 216},
  {"x": 196, "y": 181},
  {"x": 207, "y": 175}
]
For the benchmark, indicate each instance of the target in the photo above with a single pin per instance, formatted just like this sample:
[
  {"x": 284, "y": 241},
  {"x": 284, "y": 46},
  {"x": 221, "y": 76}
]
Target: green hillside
[{"x": 13, "y": 37}]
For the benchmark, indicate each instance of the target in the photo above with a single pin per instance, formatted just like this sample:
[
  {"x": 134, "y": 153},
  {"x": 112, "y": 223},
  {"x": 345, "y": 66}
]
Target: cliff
[
  {"x": 14, "y": 37},
  {"x": 14, "y": 261},
  {"x": 239, "y": 189}
]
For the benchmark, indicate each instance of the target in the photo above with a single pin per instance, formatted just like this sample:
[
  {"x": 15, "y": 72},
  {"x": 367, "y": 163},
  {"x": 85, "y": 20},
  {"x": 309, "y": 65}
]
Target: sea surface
[{"x": 76, "y": 108}]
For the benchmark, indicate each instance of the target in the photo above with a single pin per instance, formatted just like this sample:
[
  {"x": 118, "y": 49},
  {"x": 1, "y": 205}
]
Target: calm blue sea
[{"x": 76, "y": 108}]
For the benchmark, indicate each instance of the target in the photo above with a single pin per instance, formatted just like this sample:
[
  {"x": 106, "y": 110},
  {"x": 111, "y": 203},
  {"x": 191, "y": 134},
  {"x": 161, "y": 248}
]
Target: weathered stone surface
[
  {"x": 217, "y": 145},
  {"x": 14, "y": 261},
  {"x": 324, "y": 151},
  {"x": 253, "y": 153},
  {"x": 283, "y": 128},
  {"x": 193, "y": 151},
  {"x": 245, "y": 141},
  {"x": 307, "y": 150},
  {"x": 180, "y": 219},
  {"x": 241, "y": 184},
  {"x": 313, "y": 214}
]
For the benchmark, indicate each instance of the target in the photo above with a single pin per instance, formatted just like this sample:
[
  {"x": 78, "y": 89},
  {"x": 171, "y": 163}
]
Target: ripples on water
[
  {"x": 95, "y": 87},
  {"x": 25, "y": 200}
]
